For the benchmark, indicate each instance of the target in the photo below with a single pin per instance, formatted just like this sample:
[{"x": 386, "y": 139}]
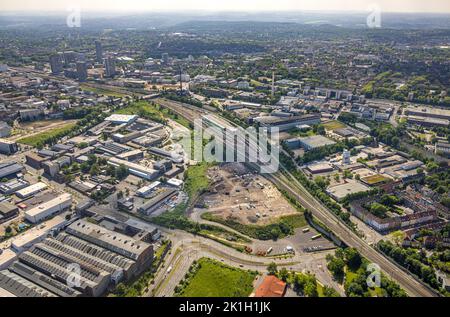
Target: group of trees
[
  {"x": 439, "y": 182},
  {"x": 273, "y": 231},
  {"x": 383, "y": 205},
  {"x": 415, "y": 261},
  {"x": 349, "y": 260},
  {"x": 343, "y": 258}
]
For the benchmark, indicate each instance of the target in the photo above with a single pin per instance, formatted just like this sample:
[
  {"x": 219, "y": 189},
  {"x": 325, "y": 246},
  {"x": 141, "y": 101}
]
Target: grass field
[
  {"x": 196, "y": 180},
  {"x": 101, "y": 91},
  {"x": 214, "y": 279},
  {"x": 153, "y": 112},
  {"x": 42, "y": 138},
  {"x": 334, "y": 125}
]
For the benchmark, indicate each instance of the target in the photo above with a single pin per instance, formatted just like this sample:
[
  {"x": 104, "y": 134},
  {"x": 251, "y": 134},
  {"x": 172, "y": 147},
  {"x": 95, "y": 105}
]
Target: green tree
[
  {"x": 272, "y": 268},
  {"x": 353, "y": 258},
  {"x": 284, "y": 274}
]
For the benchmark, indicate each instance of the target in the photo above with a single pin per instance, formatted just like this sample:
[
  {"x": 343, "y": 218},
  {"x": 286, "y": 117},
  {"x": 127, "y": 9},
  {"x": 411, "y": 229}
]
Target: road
[{"x": 187, "y": 248}]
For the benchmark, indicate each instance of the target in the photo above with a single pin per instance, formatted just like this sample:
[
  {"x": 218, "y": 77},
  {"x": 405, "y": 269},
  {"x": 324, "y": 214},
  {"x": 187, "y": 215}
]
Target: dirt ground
[{"x": 245, "y": 196}]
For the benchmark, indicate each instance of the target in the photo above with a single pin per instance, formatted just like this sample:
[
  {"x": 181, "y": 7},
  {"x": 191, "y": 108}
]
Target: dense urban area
[{"x": 101, "y": 194}]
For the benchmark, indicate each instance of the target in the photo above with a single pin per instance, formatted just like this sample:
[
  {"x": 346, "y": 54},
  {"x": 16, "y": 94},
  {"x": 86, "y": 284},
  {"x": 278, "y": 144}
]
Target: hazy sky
[{"x": 226, "y": 5}]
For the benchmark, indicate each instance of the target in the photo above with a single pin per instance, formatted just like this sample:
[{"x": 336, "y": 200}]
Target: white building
[
  {"x": 37, "y": 234},
  {"x": 122, "y": 118},
  {"x": 49, "y": 208},
  {"x": 147, "y": 190},
  {"x": 31, "y": 190}
]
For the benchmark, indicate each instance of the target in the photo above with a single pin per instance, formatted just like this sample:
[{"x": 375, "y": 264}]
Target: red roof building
[{"x": 271, "y": 287}]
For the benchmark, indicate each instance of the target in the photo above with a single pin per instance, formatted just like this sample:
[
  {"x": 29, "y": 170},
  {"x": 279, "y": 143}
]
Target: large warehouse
[{"x": 49, "y": 208}]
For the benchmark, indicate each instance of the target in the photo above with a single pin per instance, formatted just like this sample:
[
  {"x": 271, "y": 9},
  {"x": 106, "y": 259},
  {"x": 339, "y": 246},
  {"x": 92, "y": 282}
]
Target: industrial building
[
  {"x": 146, "y": 191},
  {"x": 48, "y": 260},
  {"x": 49, "y": 208},
  {"x": 131, "y": 156},
  {"x": 320, "y": 168},
  {"x": 284, "y": 124},
  {"x": 103, "y": 257},
  {"x": 8, "y": 147},
  {"x": 428, "y": 121},
  {"x": 112, "y": 148},
  {"x": 339, "y": 192},
  {"x": 121, "y": 119},
  {"x": 37, "y": 234},
  {"x": 12, "y": 186},
  {"x": 31, "y": 190},
  {"x": 150, "y": 206},
  {"x": 174, "y": 157},
  {"x": 309, "y": 143},
  {"x": 8, "y": 169},
  {"x": 138, "y": 251},
  {"x": 13, "y": 285},
  {"x": 427, "y": 112},
  {"x": 7, "y": 211},
  {"x": 135, "y": 169},
  {"x": 34, "y": 160}
]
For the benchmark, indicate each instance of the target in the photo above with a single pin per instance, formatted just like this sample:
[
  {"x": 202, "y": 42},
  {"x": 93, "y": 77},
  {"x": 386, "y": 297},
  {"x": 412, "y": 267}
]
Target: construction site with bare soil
[{"x": 244, "y": 196}]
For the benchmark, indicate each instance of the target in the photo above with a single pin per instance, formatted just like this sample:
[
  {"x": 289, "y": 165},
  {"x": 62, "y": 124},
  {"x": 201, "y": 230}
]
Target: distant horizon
[
  {"x": 230, "y": 6},
  {"x": 199, "y": 12}
]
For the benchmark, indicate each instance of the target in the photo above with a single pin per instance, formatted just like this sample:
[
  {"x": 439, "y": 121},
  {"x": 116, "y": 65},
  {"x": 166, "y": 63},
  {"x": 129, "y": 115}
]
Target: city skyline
[{"x": 437, "y": 6}]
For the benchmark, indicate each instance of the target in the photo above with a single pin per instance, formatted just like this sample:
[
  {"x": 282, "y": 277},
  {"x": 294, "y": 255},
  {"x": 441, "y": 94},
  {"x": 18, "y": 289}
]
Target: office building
[
  {"x": 99, "y": 51},
  {"x": 110, "y": 67},
  {"x": 346, "y": 158},
  {"x": 56, "y": 63},
  {"x": 82, "y": 71}
]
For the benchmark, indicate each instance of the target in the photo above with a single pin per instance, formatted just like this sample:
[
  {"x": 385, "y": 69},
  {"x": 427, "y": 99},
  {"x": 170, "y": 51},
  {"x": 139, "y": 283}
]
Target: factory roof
[
  {"x": 31, "y": 189},
  {"x": 48, "y": 204},
  {"x": 98, "y": 235},
  {"x": 121, "y": 118},
  {"x": 317, "y": 141},
  {"x": 341, "y": 191},
  {"x": 36, "y": 233}
]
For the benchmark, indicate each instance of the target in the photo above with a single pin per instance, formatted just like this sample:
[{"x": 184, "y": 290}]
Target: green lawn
[
  {"x": 334, "y": 125},
  {"x": 102, "y": 91},
  {"x": 214, "y": 279},
  {"x": 153, "y": 112},
  {"x": 44, "y": 137},
  {"x": 196, "y": 181}
]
